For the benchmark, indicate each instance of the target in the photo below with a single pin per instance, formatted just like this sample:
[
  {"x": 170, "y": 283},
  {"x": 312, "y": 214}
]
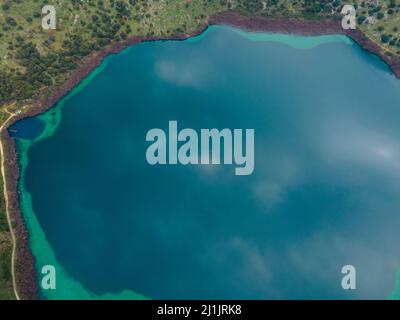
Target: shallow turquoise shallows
[{"x": 324, "y": 192}]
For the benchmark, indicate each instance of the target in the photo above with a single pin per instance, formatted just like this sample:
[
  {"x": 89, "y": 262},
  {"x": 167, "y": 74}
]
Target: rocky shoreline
[
  {"x": 25, "y": 265},
  {"x": 25, "y": 273}
]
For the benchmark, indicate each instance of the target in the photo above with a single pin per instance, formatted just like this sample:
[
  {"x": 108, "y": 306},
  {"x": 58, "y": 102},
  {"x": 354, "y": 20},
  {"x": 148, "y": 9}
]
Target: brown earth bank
[
  {"x": 26, "y": 277},
  {"x": 25, "y": 271}
]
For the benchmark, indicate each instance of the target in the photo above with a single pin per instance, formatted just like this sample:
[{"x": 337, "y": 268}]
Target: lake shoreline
[
  {"x": 25, "y": 273},
  {"x": 27, "y": 282}
]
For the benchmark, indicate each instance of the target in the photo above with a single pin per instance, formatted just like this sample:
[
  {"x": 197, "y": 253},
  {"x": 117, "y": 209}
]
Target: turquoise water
[{"x": 324, "y": 192}]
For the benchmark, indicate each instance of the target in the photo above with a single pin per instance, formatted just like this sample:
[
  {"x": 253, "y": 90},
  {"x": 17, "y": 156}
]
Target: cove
[{"x": 324, "y": 193}]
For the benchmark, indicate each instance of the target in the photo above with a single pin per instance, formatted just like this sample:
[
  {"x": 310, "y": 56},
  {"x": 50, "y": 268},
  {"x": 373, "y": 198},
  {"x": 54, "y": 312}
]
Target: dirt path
[{"x": 8, "y": 216}]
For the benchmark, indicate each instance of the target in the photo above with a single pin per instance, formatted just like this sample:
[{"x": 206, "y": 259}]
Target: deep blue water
[
  {"x": 27, "y": 129},
  {"x": 324, "y": 192}
]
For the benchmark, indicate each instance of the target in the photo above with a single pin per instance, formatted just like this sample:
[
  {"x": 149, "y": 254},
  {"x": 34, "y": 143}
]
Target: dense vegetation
[{"x": 34, "y": 61}]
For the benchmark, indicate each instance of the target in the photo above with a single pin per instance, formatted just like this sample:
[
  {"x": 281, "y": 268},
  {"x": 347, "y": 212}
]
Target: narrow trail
[
  {"x": 8, "y": 216},
  {"x": 384, "y": 48}
]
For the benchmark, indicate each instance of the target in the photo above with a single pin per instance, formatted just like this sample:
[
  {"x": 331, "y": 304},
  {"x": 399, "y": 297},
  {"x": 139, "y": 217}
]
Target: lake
[{"x": 323, "y": 193}]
